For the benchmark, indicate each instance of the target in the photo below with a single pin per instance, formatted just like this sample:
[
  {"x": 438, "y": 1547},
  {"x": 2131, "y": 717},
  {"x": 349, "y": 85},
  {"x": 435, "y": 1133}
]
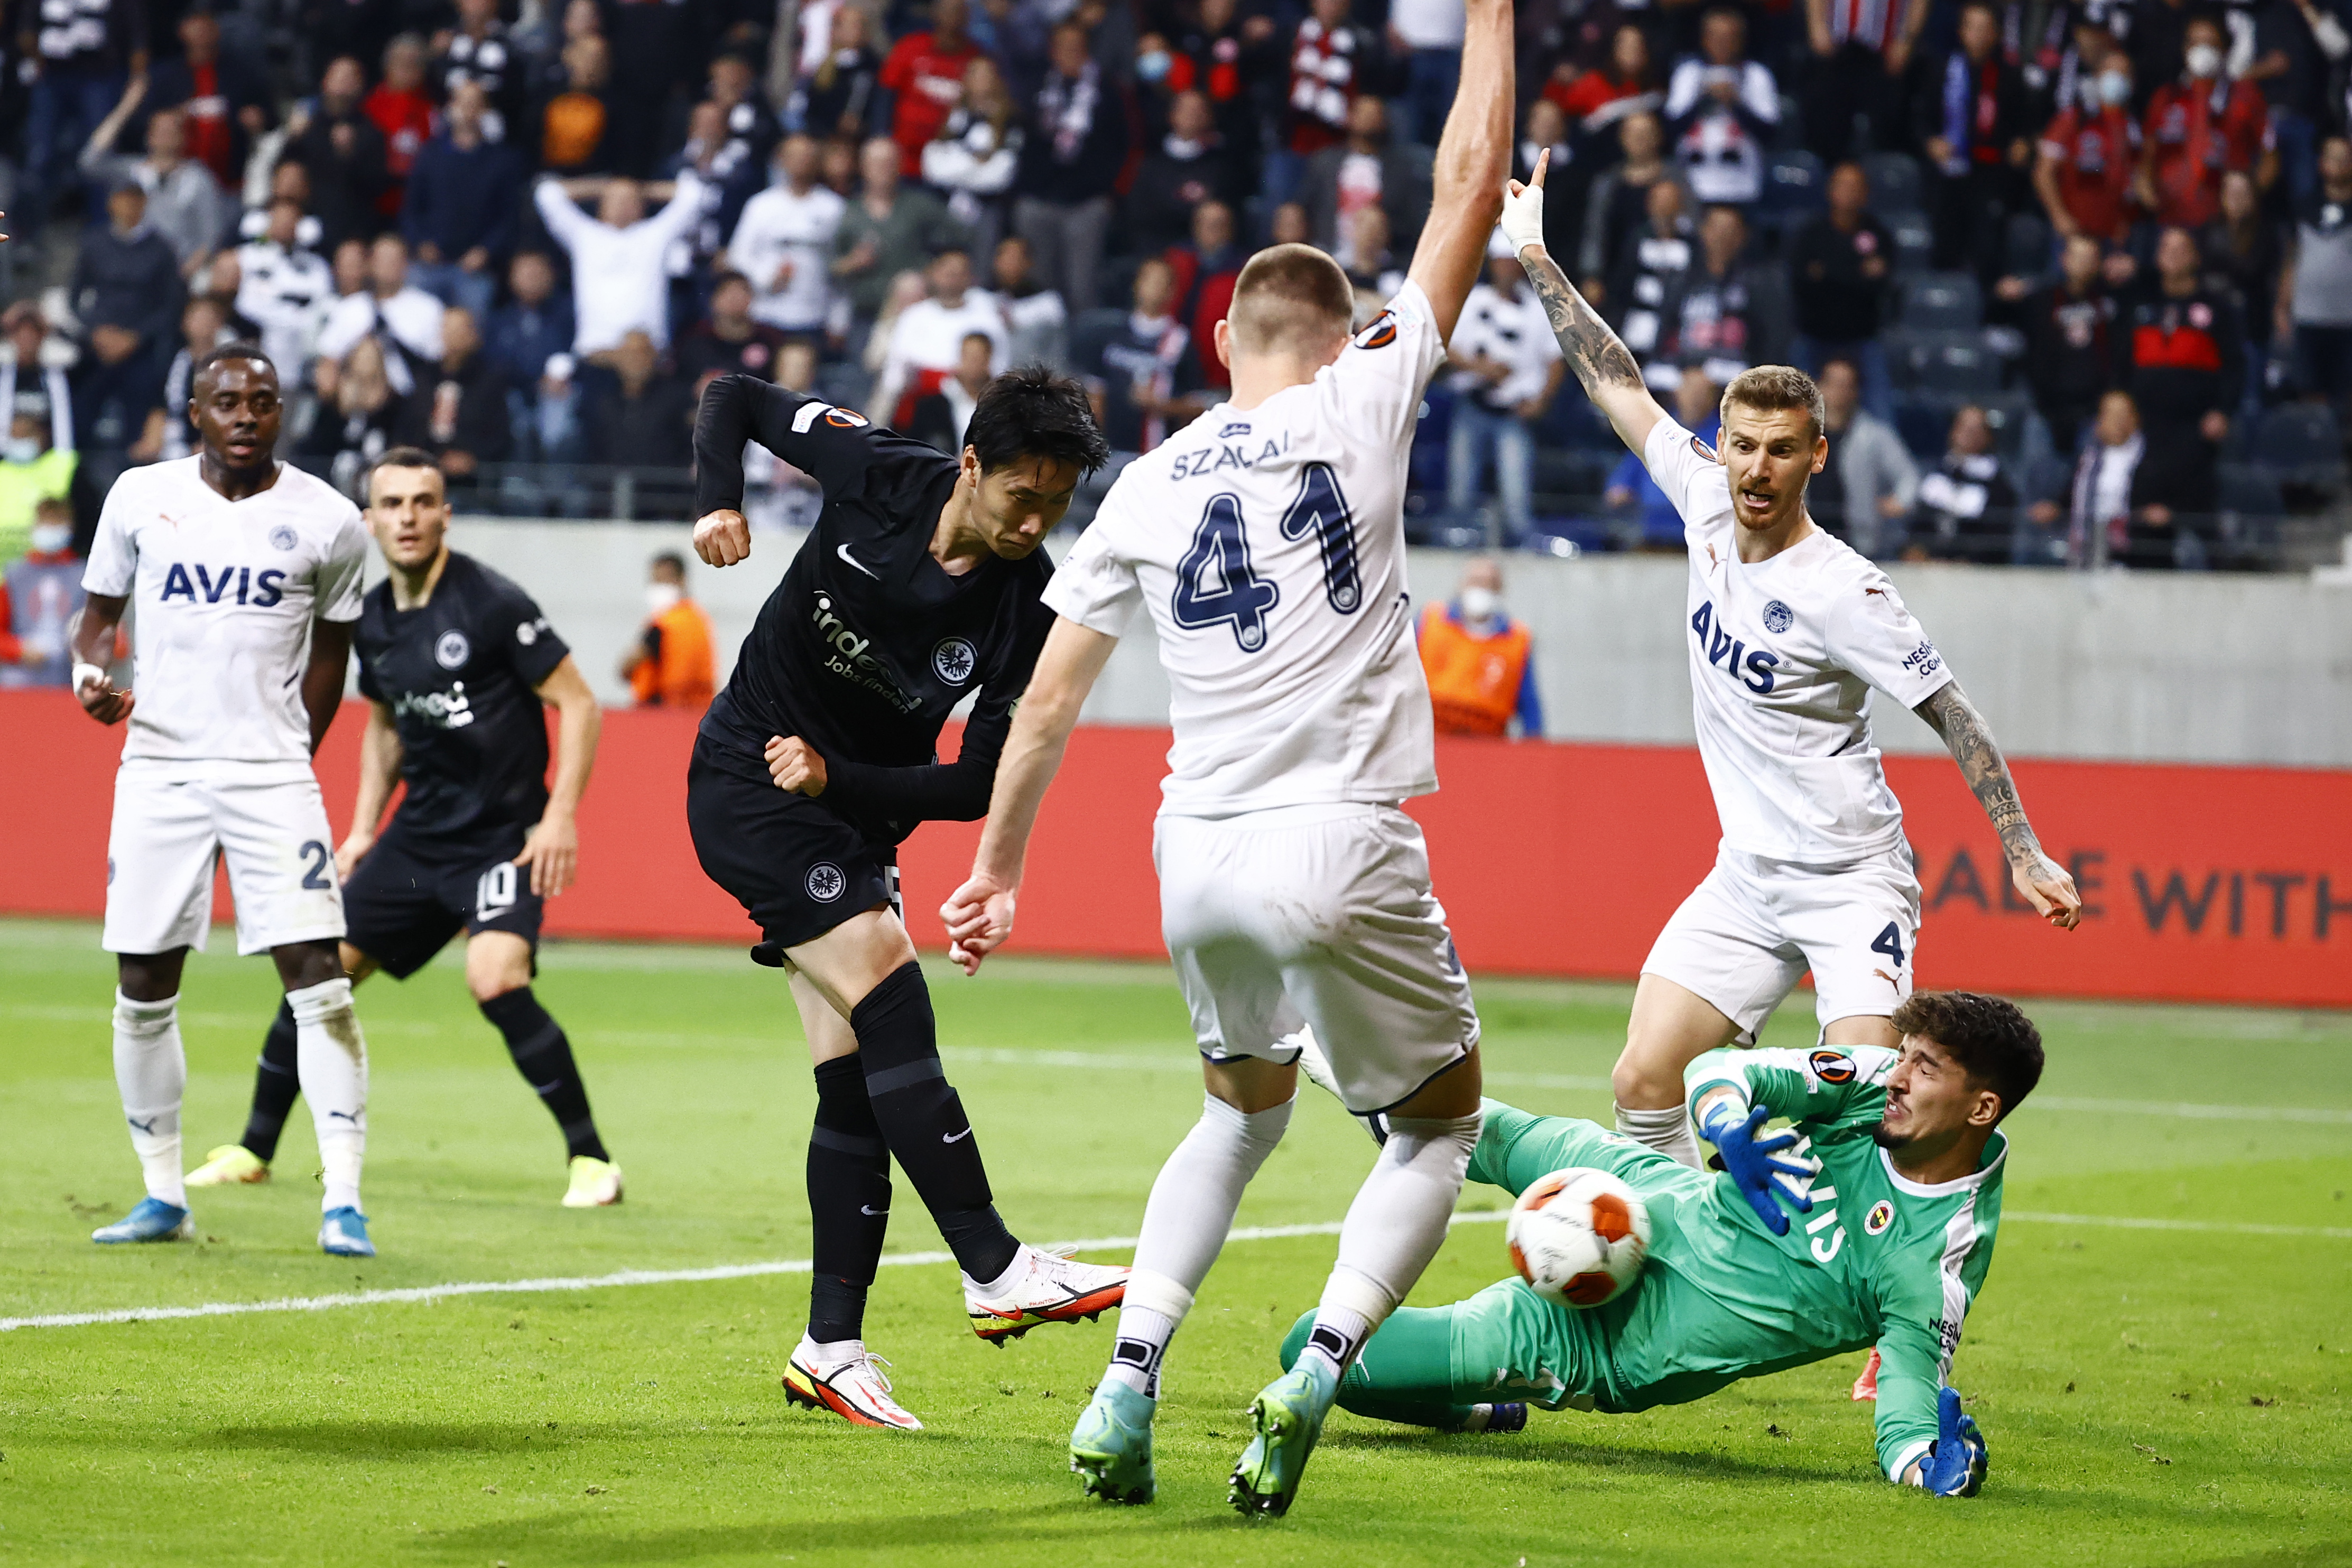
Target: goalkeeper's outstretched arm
[{"x": 1602, "y": 363}]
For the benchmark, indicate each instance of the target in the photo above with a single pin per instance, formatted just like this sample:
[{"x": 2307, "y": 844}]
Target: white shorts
[
  {"x": 170, "y": 820},
  {"x": 1319, "y": 915},
  {"x": 1747, "y": 935}
]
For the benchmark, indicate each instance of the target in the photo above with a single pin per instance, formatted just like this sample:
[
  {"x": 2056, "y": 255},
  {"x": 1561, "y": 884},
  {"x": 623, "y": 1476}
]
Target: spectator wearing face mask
[
  {"x": 674, "y": 663},
  {"x": 31, "y": 472},
  {"x": 2089, "y": 157},
  {"x": 40, "y": 596},
  {"x": 1479, "y": 662},
  {"x": 2198, "y": 127}
]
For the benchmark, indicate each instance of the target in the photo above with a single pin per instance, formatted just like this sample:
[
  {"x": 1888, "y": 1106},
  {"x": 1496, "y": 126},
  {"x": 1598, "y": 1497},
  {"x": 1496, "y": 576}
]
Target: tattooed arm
[
  {"x": 2043, "y": 883},
  {"x": 1602, "y": 362}
]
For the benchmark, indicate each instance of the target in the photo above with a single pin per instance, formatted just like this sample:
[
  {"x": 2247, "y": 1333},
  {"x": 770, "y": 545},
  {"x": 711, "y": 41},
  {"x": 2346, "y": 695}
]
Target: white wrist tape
[{"x": 87, "y": 675}]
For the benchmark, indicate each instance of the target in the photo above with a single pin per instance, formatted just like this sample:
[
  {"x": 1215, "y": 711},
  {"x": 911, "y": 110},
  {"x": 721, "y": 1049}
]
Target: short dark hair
[
  {"x": 237, "y": 350},
  {"x": 730, "y": 276},
  {"x": 672, "y": 560},
  {"x": 1994, "y": 1042},
  {"x": 401, "y": 457},
  {"x": 1030, "y": 411}
]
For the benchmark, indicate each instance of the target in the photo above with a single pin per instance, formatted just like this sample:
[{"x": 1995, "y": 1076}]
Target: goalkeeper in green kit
[{"x": 1891, "y": 1172}]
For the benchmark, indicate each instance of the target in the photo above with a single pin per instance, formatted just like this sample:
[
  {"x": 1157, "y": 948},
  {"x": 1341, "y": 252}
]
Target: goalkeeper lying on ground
[{"x": 1892, "y": 1169}]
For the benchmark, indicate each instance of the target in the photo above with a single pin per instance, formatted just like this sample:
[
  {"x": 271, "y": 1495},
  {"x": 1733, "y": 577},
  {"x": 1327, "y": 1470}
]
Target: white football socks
[
  {"x": 151, "y": 1070},
  {"x": 331, "y": 1057},
  {"x": 1668, "y": 1130},
  {"x": 1393, "y": 1230},
  {"x": 1184, "y": 1225}
]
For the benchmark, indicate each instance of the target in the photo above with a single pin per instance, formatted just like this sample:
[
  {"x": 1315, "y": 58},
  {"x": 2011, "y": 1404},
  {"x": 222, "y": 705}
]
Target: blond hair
[
  {"x": 1290, "y": 297},
  {"x": 1770, "y": 388}
]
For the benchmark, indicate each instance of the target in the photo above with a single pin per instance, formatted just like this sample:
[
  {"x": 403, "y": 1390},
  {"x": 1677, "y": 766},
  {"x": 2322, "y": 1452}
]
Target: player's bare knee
[
  {"x": 149, "y": 977},
  {"x": 301, "y": 964},
  {"x": 1644, "y": 1080}
]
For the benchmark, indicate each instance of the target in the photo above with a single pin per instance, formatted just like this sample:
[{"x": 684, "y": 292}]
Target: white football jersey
[
  {"x": 1268, "y": 544},
  {"x": 222, "y": 594},
  {"x": 1783, "y": 655}
]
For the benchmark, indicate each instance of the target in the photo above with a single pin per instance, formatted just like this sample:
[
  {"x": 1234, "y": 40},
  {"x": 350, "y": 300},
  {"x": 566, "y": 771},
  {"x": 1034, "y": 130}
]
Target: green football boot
[
  {"x": 1110, "y": 1447},
  {"x": 1288, "y": 1415}
]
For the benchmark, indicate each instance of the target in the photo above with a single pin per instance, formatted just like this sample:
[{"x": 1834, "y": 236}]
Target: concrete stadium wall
[{"x": 2150, "y": 668}]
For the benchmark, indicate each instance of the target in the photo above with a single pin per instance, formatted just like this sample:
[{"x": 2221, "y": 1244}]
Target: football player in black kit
[
  {"x": 454, "y": 661},
  {"x": 919, "y": 586}
]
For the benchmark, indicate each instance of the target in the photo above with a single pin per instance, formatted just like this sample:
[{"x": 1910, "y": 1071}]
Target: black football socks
[
  {"x": 276, "y": 1086},
  {"x": 543, "y": 1056},
  {"x": 849, "y": 1201},
  {"x": 923, "y": 1120}
]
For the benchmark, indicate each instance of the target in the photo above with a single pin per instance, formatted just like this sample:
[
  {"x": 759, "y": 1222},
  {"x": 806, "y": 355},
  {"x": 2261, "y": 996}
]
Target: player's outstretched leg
[
  {"x": 1008, "y": 1287},
  {"x": 1184, "y": 1224},
  {"x": 1405, "y": 1373},
  {"x": 151, "y": 1070},
  {"x": 1392, "y": 1229},
  {"x": 332, "y": 1054},
  {"x": 277, "y": 1085},
  {"x": 541, "y": 1052}
]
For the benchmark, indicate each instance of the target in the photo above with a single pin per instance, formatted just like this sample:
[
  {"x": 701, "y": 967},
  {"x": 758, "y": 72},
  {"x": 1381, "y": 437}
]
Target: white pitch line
[{"x": 415, "y": 1294}]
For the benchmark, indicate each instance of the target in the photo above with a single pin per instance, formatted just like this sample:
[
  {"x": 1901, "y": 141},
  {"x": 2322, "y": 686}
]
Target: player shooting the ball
[{"x": 1892, "y": 1166}]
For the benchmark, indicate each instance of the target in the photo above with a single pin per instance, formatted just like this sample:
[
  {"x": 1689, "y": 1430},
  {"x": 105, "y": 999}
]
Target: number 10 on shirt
[{"x": 1215, "y": 584}]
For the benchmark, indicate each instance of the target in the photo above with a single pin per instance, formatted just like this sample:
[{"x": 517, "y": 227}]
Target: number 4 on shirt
[{"x": 1214, "y": 582}]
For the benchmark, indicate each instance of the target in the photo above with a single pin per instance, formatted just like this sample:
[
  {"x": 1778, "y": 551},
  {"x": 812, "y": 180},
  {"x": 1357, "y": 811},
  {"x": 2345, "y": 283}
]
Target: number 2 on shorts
[{"x": 314, "y": 875}]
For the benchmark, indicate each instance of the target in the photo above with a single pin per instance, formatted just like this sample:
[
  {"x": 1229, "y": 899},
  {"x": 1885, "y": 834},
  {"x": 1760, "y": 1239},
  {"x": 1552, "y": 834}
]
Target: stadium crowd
[{"x": 2076, "y": 275}]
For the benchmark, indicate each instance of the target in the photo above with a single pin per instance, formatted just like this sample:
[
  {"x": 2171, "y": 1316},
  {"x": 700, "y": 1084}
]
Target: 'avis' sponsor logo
[
  {"x": 2264, "y": 904},
  {"x": 847, "y": 654},
  {"x": 237, "y": 584},
  {"x": 1750, "y": 668}
]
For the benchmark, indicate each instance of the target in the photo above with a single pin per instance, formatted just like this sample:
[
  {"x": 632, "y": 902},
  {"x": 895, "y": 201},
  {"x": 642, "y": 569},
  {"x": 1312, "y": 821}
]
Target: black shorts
[
  {"x": 796, "y": 868},
  {"x": 408, "y": 897}
]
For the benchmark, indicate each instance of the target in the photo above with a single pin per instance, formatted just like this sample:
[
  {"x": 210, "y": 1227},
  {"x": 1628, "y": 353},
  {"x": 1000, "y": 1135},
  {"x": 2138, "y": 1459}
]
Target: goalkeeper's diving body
[{"x": 1891, "y": 1169}]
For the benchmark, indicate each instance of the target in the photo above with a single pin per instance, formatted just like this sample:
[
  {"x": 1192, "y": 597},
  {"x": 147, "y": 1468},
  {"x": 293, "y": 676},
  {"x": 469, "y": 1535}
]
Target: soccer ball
[{"x": 1579, "y": 1237}]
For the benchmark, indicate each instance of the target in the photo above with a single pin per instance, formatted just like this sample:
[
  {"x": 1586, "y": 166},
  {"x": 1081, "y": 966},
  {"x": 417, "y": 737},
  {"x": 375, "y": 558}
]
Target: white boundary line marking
[{"x": 416, "y": 1293}]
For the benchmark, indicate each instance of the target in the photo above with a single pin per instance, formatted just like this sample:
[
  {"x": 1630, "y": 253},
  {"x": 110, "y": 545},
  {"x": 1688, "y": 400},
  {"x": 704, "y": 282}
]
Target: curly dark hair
[
  {"x": 1030, "y": 411},
  {"x": 1994, "y": 1042}
]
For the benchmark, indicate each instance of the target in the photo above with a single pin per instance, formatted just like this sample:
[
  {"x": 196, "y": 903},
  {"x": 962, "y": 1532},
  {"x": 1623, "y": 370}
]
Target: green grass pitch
[{"x": 2175, "y": 1393}]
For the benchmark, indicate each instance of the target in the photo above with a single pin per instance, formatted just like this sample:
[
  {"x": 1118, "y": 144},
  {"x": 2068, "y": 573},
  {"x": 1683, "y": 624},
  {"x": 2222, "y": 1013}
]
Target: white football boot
[
  {"x": 1045, "y": 1288},
  {"x": 852, "y": 1387}
]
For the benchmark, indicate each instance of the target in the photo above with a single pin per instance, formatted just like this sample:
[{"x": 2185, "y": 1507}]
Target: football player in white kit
[
  {"x": 1268, "y": 541},
  {"x": 1789, "y": 633},
  {"x": 247, "y": 576}
]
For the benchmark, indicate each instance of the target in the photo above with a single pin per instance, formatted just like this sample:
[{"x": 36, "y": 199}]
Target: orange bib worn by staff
[
  {"x": 674, "y": 663},
  {"x": 1477, "y": 659}
]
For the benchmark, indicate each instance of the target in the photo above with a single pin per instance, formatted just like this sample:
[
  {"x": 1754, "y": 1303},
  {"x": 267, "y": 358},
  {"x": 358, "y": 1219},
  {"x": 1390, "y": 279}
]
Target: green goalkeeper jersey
[{"x": 1881, "y": 1261}]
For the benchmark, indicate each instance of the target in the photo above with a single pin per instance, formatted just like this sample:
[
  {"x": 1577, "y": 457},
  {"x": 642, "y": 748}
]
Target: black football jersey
[
  {"x": 869, "y": 644},
  {"x": 460, "y": 674}
]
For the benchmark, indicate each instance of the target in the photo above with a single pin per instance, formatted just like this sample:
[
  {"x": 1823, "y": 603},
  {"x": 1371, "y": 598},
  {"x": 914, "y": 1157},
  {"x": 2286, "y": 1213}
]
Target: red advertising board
[{"x": 2201, "y": 883}]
